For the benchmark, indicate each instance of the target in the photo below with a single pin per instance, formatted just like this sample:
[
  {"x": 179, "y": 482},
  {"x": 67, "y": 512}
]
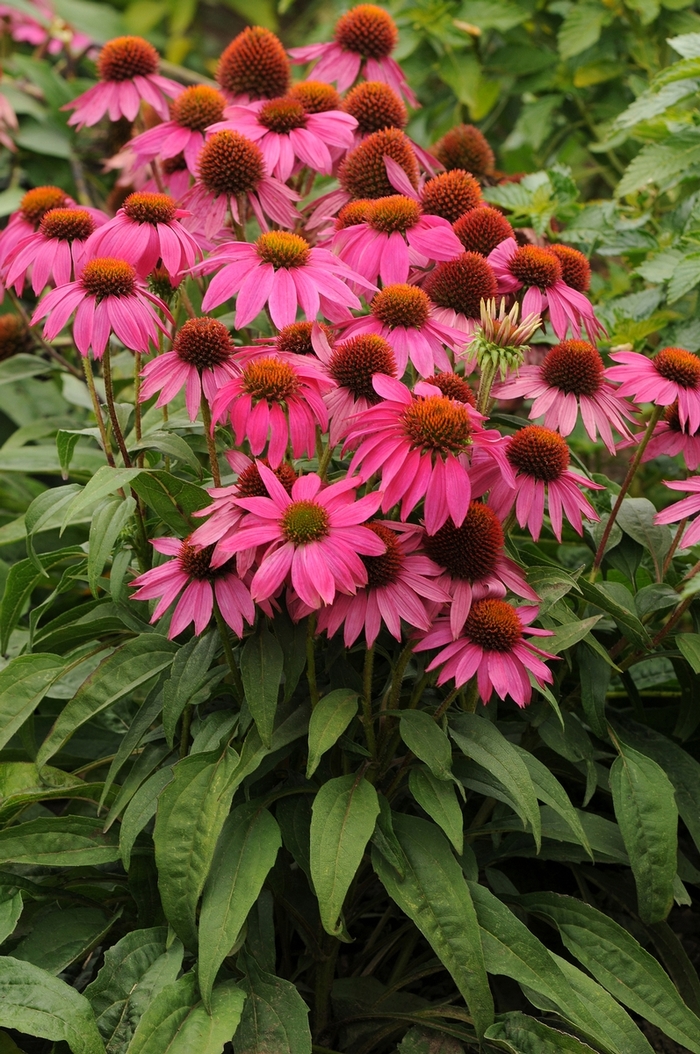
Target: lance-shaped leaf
[
  {"x": 33, "y": 1001},
  {"x": 520, "y": 1034},
  {"x": 439, "y": 799},
  {"x": 275, "y": 1017},
  {"x": 427, "y": 741},
  {"x": 58, "y": 841},
  {"x": 23, "y": 684},
  {"x": 177, "y": 1021},
  {"x": 343, "y": 817},
  {"x": 435, "y": 896},
  {"x": 329, "y": 719},
  {"x": 245, "y": 853},
  {"x": 191, "y": 812},
  {"x": 262, "y": 665},
  {"x": 645, "y": 808}
]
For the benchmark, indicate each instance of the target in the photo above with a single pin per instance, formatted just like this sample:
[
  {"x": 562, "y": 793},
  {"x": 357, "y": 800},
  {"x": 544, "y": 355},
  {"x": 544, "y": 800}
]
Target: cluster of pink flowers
[{"x": 367, "y": 489}]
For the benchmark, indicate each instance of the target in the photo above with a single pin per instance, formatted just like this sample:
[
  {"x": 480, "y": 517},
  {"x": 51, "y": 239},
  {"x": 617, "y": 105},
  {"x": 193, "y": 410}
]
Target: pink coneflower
[
  {"x": 281, "y": 270},
  {"x": 398, "y": 584},
  {"x": 314, "y": 538},
  {"x": 276, "y": 395},
  {"x": 474, "y": 563},
  {"x": 288, "y": 135},
  {"x": 458, "y": 288},
  {"x": 376, "y": 107},
  {"x": 190, "y": 573},
  {"x": 25, "y": 221},
  {"x": 394, "y": 235},
  {"x": 352, "y": 364},
  {"x": 406, "y": 317},
  {"x": 680, "y": 510},
  {"x": 672, "y": 375},
  {"x": 128, "y": 71},
  {"x": 420, "y": 443},
  {"x": 493, "y": 647},
  {"x": 200, "y": 360},
  {"x": 364, "y": 40},
  {"x": 55, "y": 251},
  {"x": 254, "y": 66},
  {"x": 481, "y": 230},
  {"x": 191, "y": 113},
  {"x": 671, "y": 438},
  {"x": 541, "y": 459},
  {"x": 539, "y": 270},
  {"x": 224, "y": 515},
  {"x": 144, "y": 231},
  {"x": 107, "y": 298},
  {"x": 231, "y": 168},
  {"x": 571, "y": 380}
]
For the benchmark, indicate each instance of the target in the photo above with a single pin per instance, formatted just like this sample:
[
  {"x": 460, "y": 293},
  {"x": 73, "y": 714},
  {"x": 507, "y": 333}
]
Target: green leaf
[
  {"x": 343, "y": 817},
  {"x": 688, "y": 645},
  {"x": 329, "y": 719},
  {"x": 549, "y": 790},
  {"x": 292, "y": 638},
  {"x": 100, "y": 23},
  {"x": 435, "y": 896},
  {"x": 173, "y": 499},
  {"x": 595, "y": 679},
  {"x": 23, "y": 684},
  {"x": 620, "y": 964},
  {"x": 58, "y": 841},
  {"x": 171, "y": 444},
  {"x": 43, "y": 510},
  {"x": 626, "y": 619},
  {"x": 191, "y": 812},
  {"x": 21, "y": 581},
  {"x": 246, "y": 851},
  {"x": 262, "y": 664},
  {"x": 34, "y": 1002},
  {"x": 646, "y": 812},
  {"x": 687, "y": 45},
  {"x": 19, "y": 367},
  {"x": 481, "y": 741},
  {"x": 427, "y": 741},
  {"x": 439, "y": 799},
  {"x": 581, "y": 28},
  {"x": 135, "y": 969},
  {"x": 140, "y": 810},
  {"x": 520, "y": 1034},
  {"x": 10, "y": 911},
  {"x": 189, "y": 679},
  {"x": 636, "y": 517},
  {"x": 661, "y": 163},
  {"x": 128, "y": 667},
  {"x": 275, "y": 1017},
  {"x": 60, "y": 937},
  {"x": 570, "y": 633},
  {"x": 107, "y": 524},
  {"x": 177, "y": 1022},
  {"x": 512, "y": 950},
  {"x": 105, "y": 482}
]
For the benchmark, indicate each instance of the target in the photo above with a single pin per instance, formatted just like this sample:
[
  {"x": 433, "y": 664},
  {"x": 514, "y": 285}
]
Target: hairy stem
[
  {"x": 97, "y": 408},
  {"x": 109, "y": 393},
  {"x": 211, "y": 440}
]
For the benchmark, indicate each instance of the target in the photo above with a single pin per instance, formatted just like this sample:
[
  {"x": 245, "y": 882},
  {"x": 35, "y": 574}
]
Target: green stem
[
  {"x": 397, "y": 678},
  {"x": 211, "y": 441},
  {"x": 228, "y": 652},
  {"x": 488, "y": 376},
  {"x": 90, "y": 379},
  {"x": 626, "y": 483},
  {"x": 367, "y": 719},
  {"x": 311, "y": 660},
  {"x": 109, "y": 393},
  {"x": 674, "y": 545},
  {"x": 446, "y": 703}
]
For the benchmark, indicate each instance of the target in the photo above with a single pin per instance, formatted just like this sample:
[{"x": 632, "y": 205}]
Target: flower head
[
  {"x": 281, "y": 270},
  {"x": 26, "y": 220},
  {"x": 191, "y": 113},
  {"x": 673, "y": 375},
  {"x": 575, "y": 268},
  {"x": 254, "y": 66},
  {"x": 398, "y": 584},
  {"x": 231, "y": 167},
  {"x": 395, "y": 234},
  {"x": 474, "y": 562},
  {"x": 571, "y": 379},
  {"x": 289, "y": 136},
  {"x": 407, "y": 318},
  {"x": 55, "y": 251},
  {"x": 465, "y": 147},
  {"x": 500, "y": 340},
  {"x": 316, "y": 96},
  {"x": 145, "y": 230},
  {"x": 539, "y": 270},
  {"x": 200, "y": 360},
  {"x": 540, "y": 458},
  {"x": 493, "y": 647},
  {"x": 421, "y": 442},
  {"x": 459, "y": 287},
  {"x": 313, "y": 538},
  {"x": 363, "y": 173},
  {"x": 375, "y": 106},
  {"x": 451, "y": 194},
  {"x": 107, "y": 297},
  {"x": 128, "y": 71},
  {"x": 15, "y": 337},
  {"x": 364, "y": 40},
  {"x": 277, "y": 396},
  {"x": 190, "y": 576},
  {"x": 481, "y": 230},
  {"x": 352, "y": 364}
]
